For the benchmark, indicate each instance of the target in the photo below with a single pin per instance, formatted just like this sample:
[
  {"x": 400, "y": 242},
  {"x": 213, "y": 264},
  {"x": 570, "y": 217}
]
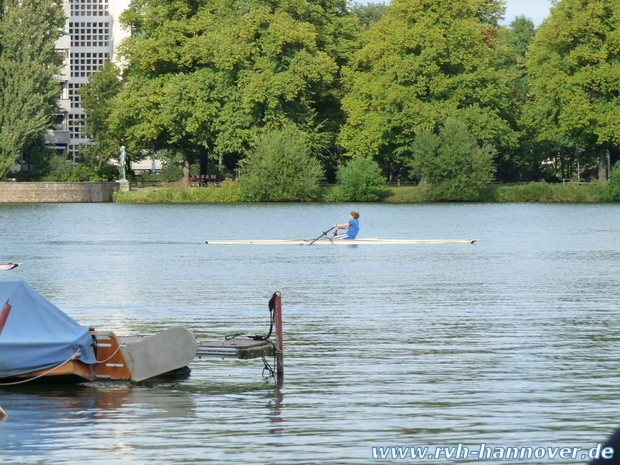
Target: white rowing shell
[{"x": 345, "y": 241}]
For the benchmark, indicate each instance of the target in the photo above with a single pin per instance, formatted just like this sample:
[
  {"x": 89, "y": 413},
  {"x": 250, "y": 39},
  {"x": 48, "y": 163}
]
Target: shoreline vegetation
[{"x": 227, "y": 192}]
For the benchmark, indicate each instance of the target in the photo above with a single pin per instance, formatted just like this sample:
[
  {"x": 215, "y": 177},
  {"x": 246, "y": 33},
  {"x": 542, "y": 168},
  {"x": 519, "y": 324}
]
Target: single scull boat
[{"x": 344, "y": 241}]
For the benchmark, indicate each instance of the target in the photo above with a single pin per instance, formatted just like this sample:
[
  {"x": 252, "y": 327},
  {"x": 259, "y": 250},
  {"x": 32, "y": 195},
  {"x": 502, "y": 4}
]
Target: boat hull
[
  {"x": 8, "y": 266},
  {"x": 120, "y": 359},
  {"x": 326, "y": 241}
]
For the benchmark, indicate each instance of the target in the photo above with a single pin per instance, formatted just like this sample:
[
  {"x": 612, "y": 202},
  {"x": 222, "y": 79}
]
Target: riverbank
[{"x": 227, "y": 192}]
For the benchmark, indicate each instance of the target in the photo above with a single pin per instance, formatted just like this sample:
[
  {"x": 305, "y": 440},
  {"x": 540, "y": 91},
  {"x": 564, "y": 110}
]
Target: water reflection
[{"x": 509, "y": 341}]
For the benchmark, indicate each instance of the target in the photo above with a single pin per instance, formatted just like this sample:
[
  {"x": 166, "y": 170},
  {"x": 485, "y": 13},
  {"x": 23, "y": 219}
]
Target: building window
[
  {"x": 75, "y": 121},
  {"x": 89, "y": 34},
  {"x": 89, "y": 8},
  {"x": 86, "y": 63}
]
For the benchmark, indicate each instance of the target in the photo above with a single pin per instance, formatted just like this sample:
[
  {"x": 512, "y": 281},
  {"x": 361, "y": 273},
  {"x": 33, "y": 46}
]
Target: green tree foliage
[
  {"x": 519, "y": 37},
  {"x": 28, "y": 89},
  {"x": 521, "y": 163},
  {"x": 280, "y": 168},
  {"x": 451, "y": 164},
  {"x": 212, "y": 75},
  {"x": 574, "y": 68},
  {"x": 97, "y": 98},
  {"x": 360, "y": 180},
  {"x": 424, "y": 62},
  {"x": 368, "y": 13}
]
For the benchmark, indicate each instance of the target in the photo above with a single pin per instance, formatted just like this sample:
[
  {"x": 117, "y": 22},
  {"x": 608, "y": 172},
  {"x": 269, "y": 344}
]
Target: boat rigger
[{"x": 327, "y": 241}]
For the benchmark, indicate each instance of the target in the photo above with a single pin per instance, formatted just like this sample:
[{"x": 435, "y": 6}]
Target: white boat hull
[
  {"x": 8, "y": 266},
  {"x": 343, "y": 241}
]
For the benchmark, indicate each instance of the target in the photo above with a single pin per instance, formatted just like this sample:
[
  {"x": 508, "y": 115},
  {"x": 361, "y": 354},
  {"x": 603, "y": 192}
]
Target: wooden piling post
[{"x": 279, "y": 345}]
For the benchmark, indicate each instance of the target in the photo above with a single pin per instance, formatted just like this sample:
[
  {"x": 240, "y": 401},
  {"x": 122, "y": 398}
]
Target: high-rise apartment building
[{"x": 92, "y": 34}]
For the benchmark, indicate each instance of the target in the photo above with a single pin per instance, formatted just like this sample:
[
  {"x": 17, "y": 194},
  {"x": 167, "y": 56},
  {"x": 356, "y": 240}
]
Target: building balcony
[
  {"x": 64, "y": 42},
  {"x": 65, "y": 73},
  {"x": 56, "y": 137},
  {"x": 65, "y": 105}
]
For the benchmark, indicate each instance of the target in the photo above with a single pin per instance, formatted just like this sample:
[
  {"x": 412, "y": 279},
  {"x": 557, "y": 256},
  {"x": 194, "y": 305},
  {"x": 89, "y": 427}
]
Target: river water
[{"x": 510, "y": 342}]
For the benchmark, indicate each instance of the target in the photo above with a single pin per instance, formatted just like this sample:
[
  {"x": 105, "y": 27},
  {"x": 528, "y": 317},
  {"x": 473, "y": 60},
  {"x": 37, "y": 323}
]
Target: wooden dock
[{"x": 242, "y": 349}]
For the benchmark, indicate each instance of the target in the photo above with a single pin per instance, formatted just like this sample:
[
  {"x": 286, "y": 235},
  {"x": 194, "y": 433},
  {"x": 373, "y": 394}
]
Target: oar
[{"x": 324, "y": 234}]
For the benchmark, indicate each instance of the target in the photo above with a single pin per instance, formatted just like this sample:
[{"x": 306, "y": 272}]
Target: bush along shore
[{"x": 228, "y": 191}]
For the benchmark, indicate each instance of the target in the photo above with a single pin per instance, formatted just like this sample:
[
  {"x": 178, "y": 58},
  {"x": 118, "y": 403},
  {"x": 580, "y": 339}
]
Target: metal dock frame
[{"x": 245, "y": 349}]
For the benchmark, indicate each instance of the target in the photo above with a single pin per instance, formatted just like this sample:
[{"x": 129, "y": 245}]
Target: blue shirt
[{"x": 354, "y": 227}]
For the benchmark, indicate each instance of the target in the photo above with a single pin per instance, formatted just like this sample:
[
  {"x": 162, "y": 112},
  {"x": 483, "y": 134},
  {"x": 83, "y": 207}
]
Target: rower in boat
[{"x": 352, "y": 227}]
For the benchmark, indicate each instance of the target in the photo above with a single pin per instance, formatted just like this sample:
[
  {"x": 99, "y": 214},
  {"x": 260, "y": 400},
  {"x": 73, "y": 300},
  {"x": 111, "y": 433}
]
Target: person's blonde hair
[{"x": 355, "y": 215}]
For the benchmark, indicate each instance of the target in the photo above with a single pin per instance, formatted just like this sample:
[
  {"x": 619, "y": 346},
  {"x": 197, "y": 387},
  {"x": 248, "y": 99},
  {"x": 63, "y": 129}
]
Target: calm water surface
[{"x": 512, "y": 341}]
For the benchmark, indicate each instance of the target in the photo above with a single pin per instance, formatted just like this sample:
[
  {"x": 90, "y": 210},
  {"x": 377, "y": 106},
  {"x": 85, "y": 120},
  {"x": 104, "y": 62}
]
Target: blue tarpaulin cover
[{"x": 35, "y": 334}]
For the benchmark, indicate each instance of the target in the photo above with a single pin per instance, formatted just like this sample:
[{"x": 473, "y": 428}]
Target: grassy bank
[{"x": 227, "y": 192}]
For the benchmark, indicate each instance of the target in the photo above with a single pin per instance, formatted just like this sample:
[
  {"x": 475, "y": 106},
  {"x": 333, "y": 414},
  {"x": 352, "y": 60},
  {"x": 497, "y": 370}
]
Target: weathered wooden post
[{"x": 279, "y": 345}]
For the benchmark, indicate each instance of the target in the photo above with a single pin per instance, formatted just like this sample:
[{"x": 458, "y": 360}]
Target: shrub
[
  {"x": 360, "y": 180},
  {"x": 227, "y": 191},
  {"x": 611, "y": 191},
  {"x": 170, "y": 172},
  {"x": 280, "y": 169},
  {"x": 545, "y": 192},
  {"x": 61, "y": 170},
  {"x": 451, "y": 164}
]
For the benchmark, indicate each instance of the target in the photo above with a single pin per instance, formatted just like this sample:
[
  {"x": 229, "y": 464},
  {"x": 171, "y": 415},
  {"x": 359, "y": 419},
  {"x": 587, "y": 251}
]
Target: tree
[
  {"x": 97, "y": 97},
  {"x": 451, "y": 163},
  {"x": 574, "y": 68},
  {"x": 211, "y": 76},
  {"x": 29, "y": 91},
  {"x": 424, "y": 62},
  {"x": 520, "y": 163},
  {"x": 280, "y": 168}
]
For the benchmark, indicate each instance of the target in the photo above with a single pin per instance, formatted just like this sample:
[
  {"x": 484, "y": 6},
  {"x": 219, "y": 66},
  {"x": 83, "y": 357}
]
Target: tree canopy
[
  {"x": 574, "y": 71},
  {"x": 29, "y": 90},
  {"x": 97, "y": 97},
  {"x": 214, "y": 74},
  {"x": 424, "y": 62},
  {"x": 202, "y": 81}
]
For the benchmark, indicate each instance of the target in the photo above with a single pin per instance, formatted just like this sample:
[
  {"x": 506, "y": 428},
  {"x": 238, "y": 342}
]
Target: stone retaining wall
[{"x": 57, "y": 192}]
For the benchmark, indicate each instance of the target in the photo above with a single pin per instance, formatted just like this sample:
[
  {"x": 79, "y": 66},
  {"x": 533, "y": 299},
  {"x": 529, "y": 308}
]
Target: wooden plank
[
  {"x": 71, "y": 369},
  {"x": 112, "y": 361}
]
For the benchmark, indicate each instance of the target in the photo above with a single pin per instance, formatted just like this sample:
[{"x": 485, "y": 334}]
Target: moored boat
[
  {"x": 38, "y": 340},
  {"x": 8, "y": 266}
]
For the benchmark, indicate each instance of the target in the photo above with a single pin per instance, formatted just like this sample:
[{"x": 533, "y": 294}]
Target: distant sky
[{"x": 536, "y": 10}]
